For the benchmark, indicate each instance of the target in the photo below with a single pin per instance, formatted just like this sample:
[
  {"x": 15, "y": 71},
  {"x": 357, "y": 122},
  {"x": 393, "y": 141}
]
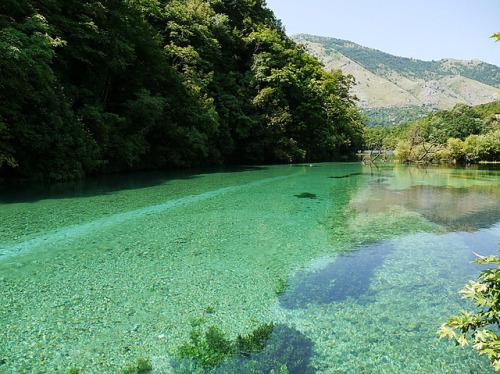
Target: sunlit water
[{"x": 362, "y": 263}]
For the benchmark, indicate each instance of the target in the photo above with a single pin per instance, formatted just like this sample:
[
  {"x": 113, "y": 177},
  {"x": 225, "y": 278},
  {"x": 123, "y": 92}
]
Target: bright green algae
[{"x": 98, "y": 275}]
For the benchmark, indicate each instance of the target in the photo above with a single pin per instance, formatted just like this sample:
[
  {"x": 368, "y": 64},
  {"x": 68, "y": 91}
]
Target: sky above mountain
[{"x": 421, "y": 29}]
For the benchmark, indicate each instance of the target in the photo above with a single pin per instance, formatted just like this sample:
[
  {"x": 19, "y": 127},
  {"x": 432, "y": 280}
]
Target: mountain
[{"x": 395, "y": 89}]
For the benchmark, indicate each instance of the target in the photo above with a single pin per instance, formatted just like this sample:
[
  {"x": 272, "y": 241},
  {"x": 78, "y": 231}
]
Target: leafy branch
[{"x": 479, "y": 328}]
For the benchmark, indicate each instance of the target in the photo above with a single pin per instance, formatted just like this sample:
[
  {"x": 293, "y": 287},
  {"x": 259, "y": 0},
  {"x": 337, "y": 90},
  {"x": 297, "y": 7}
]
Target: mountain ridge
[{"x": 394, "y": 89}]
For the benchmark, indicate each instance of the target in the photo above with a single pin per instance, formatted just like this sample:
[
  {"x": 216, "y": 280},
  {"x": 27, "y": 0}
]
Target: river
[{"x": 359, "y": 264}]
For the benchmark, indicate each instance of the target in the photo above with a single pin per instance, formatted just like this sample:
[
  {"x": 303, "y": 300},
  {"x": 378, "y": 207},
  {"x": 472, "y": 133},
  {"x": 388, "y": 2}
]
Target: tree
[
  {"x": 462, "y": 121},
  {"x": 479, "y": 327},
  {"x": 110, "y": 85},
  {"x": 39, "y": 134}
]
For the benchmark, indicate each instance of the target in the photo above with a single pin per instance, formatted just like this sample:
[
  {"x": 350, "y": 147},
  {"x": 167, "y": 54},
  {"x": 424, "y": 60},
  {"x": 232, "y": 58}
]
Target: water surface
[{"x": 362, "y": 263}]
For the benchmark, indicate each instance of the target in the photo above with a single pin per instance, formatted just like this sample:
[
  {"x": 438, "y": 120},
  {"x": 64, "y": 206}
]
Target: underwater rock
[
  {"x": 347, "y": 175},
  {"x": 306, "y": 195}
]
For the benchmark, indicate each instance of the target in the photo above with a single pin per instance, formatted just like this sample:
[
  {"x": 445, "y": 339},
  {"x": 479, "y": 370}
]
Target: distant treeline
[
  {"x": 111, "y": 85},
  {"x": 391, "y": 116},
  {"x": 464, "y": 134}
]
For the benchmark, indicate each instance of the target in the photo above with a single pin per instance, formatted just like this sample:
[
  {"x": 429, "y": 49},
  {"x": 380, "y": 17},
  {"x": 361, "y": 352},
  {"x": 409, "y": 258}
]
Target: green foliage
[
  {"x": 39, "y": 134},
  {"x": 396, "y": 115},
  {"x": 104, "y": 86},
  {"x": 142, "y": 366},
  {"x": 383, "y": 137},
  {"x": 268, "y": 349},
  {"x": 461, "y": 122},
  {"x": 463, "y": 134},
  {"x": 488, "y": 109},
  {"x": 480, "y": 327}
]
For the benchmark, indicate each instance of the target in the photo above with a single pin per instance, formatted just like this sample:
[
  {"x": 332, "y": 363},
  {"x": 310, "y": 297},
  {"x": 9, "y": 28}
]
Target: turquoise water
[{"x": 360, "y": 264}]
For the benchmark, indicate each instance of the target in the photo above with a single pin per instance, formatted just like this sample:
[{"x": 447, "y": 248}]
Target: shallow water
[{"x": 364, "y": 262}]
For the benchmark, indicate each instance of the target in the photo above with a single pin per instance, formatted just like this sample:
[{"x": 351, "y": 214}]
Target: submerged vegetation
[
  {"x": 141, "y": 367},
  {"x": 106, "y": 86},
  {"x": 464, "y": 134},
  {"x": 270, "y": 348}
]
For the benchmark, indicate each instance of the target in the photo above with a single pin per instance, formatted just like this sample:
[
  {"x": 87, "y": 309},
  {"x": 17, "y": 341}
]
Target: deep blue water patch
[{"x": 349, "y": 275}]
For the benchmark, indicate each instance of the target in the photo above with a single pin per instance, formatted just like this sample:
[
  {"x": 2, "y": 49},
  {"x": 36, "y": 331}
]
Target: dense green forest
[
  {"x": 112, "y": 85},
  {"x": 464, "y": 134},
  {"x": 391, "y": 116},
  {"x": 383, "y": 64}
]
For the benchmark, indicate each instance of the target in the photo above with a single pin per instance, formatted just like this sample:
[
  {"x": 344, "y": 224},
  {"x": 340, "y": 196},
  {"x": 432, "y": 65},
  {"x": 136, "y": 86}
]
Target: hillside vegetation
[
  {"x": 394, "y": 89},
  {"x": 464, "y": 134},
  {"x": 105, "y": 86}
]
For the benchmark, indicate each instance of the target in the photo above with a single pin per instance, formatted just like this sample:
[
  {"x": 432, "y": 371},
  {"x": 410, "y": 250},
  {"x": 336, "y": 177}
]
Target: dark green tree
[{"x": 112, "y": 85}]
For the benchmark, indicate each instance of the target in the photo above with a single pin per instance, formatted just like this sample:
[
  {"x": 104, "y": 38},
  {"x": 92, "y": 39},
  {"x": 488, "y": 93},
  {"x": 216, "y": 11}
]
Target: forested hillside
[{"x": 105, "y": 86}]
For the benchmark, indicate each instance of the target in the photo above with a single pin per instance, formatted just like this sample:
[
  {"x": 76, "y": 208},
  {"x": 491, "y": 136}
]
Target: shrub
[{"x": 481, "y": 327}]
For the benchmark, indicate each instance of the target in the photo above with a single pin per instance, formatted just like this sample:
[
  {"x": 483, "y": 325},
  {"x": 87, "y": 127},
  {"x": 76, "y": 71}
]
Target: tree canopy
[{"x": 105, "y": 86}]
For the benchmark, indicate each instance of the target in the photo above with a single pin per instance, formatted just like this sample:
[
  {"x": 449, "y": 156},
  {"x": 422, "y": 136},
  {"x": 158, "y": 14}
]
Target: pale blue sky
[{"x": 422, "y": 29}]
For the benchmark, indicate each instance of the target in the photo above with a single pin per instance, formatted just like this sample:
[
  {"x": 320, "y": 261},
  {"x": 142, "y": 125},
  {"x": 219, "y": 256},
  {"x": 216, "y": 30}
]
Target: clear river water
[{"x": 356, "y": 266}]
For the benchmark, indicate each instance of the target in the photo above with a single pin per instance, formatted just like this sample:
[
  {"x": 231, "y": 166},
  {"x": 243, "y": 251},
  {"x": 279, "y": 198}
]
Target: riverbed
[{"x": 364, "y": 262}]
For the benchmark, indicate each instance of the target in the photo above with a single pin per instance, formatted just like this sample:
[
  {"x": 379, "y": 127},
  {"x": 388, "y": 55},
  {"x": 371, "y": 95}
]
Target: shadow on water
[
  {"x": 349, "y": 275},
  {"x": 101, "y": 185}
]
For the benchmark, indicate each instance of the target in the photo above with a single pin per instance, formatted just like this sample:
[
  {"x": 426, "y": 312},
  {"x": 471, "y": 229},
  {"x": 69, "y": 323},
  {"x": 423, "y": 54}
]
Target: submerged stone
[
  {"x": 347, "y": 175},
  {"x": 306, "y": 195}
]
